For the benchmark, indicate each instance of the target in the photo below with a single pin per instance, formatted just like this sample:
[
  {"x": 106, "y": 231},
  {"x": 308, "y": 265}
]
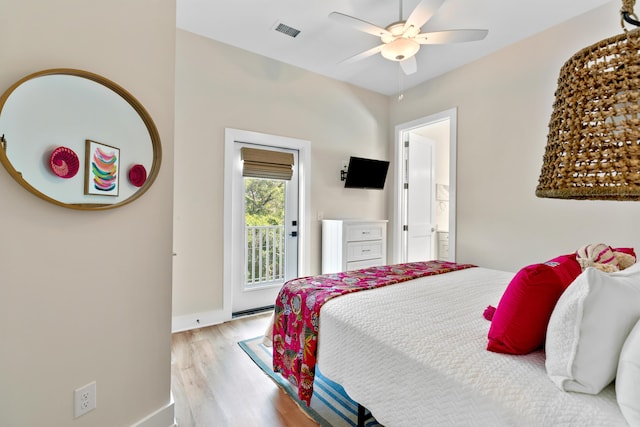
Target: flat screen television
[{"x": 366, "y": 173}]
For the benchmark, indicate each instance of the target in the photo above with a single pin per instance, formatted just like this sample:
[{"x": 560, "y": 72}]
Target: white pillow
[
  {"x": 628, "y": 378},
  {"x": 588, "y": 328}
]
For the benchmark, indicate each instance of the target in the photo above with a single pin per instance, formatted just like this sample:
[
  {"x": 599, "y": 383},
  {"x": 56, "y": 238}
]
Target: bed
[{"x": 414, "y": 353}]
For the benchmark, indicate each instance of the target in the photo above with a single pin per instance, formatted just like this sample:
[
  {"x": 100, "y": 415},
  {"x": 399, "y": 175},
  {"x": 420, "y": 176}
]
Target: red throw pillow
[{"x": 519, "y": 324}]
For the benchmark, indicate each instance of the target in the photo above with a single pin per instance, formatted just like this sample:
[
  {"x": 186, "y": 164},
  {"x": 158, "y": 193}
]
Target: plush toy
[
  {"x": 603, "y": 257},
  {"x": 625, "y": 260}
]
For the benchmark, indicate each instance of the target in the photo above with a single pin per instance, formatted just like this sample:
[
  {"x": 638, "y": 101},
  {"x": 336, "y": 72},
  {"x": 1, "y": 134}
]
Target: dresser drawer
[
  {"x": 357, "y": 251},
  {"x": 362, "y": 232},
  {"x": 357, "y": 265}
]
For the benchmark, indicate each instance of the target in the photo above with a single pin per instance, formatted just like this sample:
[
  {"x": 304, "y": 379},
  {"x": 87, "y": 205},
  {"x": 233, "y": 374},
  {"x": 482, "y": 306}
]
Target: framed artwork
[{"x": 102, "y": 164}]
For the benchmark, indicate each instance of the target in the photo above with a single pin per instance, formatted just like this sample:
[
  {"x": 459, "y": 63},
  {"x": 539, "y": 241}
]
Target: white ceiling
[{"x": 323, "y": 43}]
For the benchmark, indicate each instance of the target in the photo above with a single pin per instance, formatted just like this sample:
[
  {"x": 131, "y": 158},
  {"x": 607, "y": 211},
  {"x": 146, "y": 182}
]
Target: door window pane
[{"x": 264, "y": 231}]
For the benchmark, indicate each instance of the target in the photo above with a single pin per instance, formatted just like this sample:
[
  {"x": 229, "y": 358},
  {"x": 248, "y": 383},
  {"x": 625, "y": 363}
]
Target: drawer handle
[{"x": 366, "y": 250}]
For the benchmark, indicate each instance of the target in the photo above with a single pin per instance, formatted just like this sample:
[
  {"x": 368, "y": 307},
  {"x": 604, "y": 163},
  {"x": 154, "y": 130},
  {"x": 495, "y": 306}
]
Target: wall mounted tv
[{"x": 366, "y": 173}]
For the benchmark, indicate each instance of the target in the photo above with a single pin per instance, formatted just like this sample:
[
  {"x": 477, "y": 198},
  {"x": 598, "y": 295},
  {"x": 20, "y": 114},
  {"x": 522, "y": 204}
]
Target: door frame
[
  {"x": 400, "y": 133},
  {"x": 232, "y": 211}
]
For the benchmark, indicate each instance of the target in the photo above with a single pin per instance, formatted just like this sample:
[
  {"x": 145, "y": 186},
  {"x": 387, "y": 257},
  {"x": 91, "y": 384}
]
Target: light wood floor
[{"x": 215, "y": 384}]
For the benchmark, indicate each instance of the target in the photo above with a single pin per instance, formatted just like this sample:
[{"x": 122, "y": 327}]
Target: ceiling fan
[{"x": 401, "y": 40}]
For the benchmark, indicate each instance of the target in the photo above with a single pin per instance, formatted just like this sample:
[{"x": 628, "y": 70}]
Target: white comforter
[{"x": 414, "y": 354}]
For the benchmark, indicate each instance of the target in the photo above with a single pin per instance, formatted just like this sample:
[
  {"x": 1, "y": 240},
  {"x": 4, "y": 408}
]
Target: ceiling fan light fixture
[{"x": 400, "y": 49}]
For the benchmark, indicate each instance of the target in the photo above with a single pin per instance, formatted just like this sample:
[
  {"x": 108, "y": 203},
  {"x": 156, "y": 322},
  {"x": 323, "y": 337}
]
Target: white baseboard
[
  {"x": 199, "y": 320},
  {"x": 163, "y": 417}
]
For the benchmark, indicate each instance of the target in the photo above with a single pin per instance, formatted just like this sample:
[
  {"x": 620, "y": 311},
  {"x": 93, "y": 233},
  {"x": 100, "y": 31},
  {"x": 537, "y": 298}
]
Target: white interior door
[
  {"x": 419, "y": 195},
  {"x": 267, "y": 255}
]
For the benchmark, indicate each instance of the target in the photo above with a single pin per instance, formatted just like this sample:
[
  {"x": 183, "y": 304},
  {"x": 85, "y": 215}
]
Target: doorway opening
[
  {"x": 266, "y": 224},
  {"x": 425, "y": 189}
]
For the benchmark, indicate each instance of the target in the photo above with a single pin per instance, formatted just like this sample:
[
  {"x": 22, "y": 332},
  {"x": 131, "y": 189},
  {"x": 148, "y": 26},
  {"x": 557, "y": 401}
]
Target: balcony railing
[{"x": 264, "y": 260}]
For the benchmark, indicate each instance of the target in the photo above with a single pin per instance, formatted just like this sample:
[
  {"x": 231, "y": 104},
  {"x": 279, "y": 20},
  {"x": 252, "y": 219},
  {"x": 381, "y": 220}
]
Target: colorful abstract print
[
  {"x": 297, "y": 309},
  {"x": 104, "y": 169}
]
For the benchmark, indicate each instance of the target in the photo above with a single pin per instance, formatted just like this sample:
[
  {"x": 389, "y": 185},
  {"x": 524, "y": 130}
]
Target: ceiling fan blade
[
  {"x": 451, "y": 36},
  {"x": 362, "y": 55},
  {"x": 409, "y": 65},
  {"x": 422, "y": 13},
  {"x": 358, "y": 24}
]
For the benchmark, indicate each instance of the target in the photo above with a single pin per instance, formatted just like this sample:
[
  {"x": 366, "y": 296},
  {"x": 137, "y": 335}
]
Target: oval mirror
[{"x": 78, "y": 140}]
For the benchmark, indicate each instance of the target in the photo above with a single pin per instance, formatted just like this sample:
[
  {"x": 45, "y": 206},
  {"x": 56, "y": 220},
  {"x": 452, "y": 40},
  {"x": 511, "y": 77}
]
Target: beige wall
[
  {"x": 62, "y": 325},
  {"x": 218, "y": 87},
  {"x": 504, "y": 103}
]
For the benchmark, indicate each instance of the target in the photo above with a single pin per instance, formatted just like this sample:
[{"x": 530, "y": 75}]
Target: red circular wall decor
[
  {"x": 64, "y": 162},
  {"x": 137, "y": 175}
]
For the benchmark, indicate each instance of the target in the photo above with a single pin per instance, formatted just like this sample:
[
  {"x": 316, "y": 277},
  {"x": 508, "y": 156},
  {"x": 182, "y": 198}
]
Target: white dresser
[{"x": 349, "y": 244}]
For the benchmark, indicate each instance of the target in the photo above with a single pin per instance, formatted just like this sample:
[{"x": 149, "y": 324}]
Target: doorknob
[{"x": 293, "y": 234}]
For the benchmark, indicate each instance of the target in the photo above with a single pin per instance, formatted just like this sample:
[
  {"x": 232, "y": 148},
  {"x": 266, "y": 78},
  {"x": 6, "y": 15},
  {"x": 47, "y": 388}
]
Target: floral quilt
[{"x": 297, "y": 309}]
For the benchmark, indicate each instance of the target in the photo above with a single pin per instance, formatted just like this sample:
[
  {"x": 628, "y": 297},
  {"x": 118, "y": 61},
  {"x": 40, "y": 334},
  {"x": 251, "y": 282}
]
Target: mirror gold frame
[{"x": 117, "y": 89}]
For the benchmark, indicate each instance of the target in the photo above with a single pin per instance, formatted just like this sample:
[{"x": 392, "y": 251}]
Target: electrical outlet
[{"x": 85, "y": 399}]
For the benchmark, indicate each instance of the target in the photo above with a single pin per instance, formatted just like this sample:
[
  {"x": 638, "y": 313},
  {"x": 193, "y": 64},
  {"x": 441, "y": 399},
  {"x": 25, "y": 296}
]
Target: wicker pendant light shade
[{"x": 593, "y": 146}]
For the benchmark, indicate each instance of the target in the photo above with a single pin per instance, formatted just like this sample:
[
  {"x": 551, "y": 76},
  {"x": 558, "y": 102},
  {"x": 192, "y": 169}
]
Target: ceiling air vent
[{"x": 285, "y": 29}]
